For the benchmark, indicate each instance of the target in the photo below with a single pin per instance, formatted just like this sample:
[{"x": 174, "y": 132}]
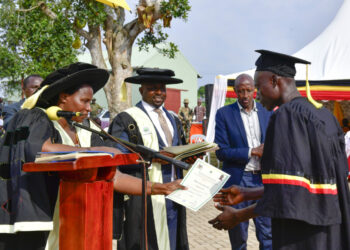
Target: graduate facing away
[{"x": 304, "y": 167}]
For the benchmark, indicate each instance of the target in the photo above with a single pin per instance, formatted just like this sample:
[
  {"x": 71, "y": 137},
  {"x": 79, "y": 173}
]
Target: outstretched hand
[
  {"x": 228, "y": 219},
  {"x": 167, "y": 188},
  {"x": 230, "y": 196}
]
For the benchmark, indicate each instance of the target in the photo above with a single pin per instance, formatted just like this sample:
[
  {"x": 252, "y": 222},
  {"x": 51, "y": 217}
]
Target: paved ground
[{"x": 202, "y": 236}]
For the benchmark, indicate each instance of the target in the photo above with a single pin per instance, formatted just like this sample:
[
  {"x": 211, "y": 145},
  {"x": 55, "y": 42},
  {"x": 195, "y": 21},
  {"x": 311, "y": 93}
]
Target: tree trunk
[
  {"x": 119, "y": 48},
  {"x": 95, "y": 47},
  {"x": 119, "y": 39},
  {"x": 117, "y": 92}
]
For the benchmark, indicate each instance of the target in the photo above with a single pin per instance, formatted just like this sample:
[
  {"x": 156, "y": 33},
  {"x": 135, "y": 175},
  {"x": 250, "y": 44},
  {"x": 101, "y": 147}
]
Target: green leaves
[
  {"x": 153, "y": 39},
  {"x": 176, "y": 8},
  {"x": 38, "y": 36},
  {"x": 155, "y": 36},
  {"x": 10, "y": 68},
  {"x": 32, "y": 42},
  {"x": 89, "y": 11}
]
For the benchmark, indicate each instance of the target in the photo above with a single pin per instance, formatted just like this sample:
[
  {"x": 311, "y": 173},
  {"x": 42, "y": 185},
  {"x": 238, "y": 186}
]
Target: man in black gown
[
  {"x": 304, "y": 167},
  {"x": 142, "y": 124}
]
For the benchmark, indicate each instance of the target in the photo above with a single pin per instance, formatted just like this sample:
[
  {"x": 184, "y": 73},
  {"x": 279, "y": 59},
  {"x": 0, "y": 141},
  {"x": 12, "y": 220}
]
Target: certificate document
[{"x": 203, "y": 181}]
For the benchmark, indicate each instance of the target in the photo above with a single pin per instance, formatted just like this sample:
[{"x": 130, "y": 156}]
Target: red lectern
[{"x": 86, "y": 199}]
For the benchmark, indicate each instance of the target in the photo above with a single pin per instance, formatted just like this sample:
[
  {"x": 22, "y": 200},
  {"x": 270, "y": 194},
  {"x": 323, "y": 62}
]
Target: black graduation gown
[
  {"x": 24, "y": 196},
  {"x": 304, "y": 171},
  {"x": 128, "y": 232}
]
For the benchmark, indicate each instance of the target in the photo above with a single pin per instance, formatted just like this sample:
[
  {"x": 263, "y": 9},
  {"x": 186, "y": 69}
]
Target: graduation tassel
[{"x": 308, "y": 92}]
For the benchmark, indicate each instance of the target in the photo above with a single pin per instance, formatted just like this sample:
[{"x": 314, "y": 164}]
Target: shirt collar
[
  {"x": 149, "y": 108},
  {"x": 242, "y": 109}
]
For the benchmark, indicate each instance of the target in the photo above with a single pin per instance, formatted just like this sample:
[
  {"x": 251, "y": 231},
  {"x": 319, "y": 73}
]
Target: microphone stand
[{"x": 146, "y": 153}]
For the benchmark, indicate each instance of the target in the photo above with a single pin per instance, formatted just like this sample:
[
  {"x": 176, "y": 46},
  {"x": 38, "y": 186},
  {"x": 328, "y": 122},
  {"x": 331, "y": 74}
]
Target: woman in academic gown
[{"x": 28, "y": 200}]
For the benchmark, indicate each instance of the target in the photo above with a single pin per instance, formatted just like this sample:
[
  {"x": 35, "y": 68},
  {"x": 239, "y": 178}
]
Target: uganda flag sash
[{"x": 315, "y": 188}]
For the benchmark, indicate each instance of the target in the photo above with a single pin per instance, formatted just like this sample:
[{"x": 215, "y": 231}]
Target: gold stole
[{"x": 150, "y": 140}]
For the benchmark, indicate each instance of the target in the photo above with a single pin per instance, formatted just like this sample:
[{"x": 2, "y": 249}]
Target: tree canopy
[
  {"x": 31, "y": 42},
  {"x": 201, "y": 92},
  {"x": 41, "y": 36}
]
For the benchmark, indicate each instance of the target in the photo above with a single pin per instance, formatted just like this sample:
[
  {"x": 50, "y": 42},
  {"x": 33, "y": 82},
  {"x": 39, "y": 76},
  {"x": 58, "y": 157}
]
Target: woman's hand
[
  {"x": 48, "y": 146},
  {"x": 106, "y": 149},
  {"x": 166, "y": 188}
]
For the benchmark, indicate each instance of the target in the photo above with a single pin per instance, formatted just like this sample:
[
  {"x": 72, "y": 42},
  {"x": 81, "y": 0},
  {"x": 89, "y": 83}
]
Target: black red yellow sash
[
  {"x": 284, "y": 179},
  {"x": 319, "y": 92}
]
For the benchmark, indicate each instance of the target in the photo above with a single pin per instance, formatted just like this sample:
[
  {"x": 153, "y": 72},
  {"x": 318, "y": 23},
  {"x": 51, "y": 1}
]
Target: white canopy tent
[{"x": 329, "y": 54}]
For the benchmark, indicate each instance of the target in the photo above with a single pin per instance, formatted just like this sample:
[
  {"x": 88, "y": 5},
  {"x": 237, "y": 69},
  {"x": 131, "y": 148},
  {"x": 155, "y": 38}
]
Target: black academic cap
[
  {"x": 70, "y": 77},
  {"x": 280, "y": 64},
  {"x": 153, "y": 75},
  {"x": 74, "y": 75}
]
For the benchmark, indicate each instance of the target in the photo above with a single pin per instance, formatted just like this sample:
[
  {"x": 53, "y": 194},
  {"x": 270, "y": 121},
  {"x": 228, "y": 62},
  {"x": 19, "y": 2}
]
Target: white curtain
[
  {"x": 218, "y": 101},
  {"x": 347, "y": 144}
]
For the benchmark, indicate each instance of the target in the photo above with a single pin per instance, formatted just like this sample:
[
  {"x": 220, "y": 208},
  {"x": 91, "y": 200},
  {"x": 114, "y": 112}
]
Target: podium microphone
[{"x": 55, "y": 113}]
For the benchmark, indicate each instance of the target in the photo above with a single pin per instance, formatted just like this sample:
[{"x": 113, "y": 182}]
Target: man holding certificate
[{"x": 151, "y": 125}]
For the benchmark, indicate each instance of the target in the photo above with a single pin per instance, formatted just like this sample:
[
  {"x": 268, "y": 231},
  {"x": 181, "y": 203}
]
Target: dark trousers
[
  {"x": 24, "y": 240},
  {"x": 239, "y": 234}
]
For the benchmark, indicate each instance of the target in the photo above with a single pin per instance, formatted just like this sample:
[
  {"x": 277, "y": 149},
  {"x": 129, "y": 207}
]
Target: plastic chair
[
  {"x": 197, "y": 138},
  {"x": 207, "y": 159}
]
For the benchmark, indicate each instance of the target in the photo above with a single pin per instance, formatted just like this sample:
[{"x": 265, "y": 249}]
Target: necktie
[{"x": 164, "y": 126}]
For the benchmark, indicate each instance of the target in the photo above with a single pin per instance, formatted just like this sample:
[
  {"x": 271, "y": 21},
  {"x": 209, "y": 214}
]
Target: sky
[{"x": 220, "y": 36}]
